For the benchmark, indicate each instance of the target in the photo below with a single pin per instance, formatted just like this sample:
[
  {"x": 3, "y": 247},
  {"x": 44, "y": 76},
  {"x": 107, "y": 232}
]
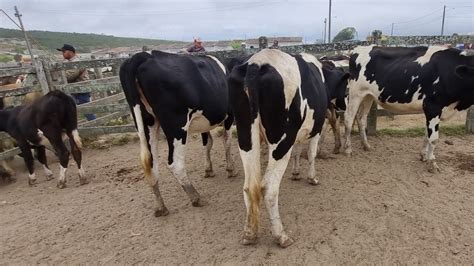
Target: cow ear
[{"x": 465, "y": 72}]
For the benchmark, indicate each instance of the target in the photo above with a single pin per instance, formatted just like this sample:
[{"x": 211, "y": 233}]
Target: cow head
[{"x": 336, "y": 85}]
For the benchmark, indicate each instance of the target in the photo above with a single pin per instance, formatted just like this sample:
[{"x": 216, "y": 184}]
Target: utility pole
[
  {"x": 442, "y": 24},
  {"x": 391, "y": 33},
  {"x": 325, "y": 22},
  {"x": 18, "y": 15},
  {"x": 329, "y": 27}
]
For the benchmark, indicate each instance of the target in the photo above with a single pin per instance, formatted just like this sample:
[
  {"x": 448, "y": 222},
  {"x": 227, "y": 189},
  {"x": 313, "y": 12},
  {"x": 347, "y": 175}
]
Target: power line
[
  {"x": 156, "y": 12},
  {"x": 418, "y": 18},
  {"x": 3, "y": 11}
]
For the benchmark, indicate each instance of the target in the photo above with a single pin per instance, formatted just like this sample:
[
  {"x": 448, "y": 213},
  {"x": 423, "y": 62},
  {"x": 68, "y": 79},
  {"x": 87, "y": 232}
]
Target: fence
[{"x": 52, "y": 76}]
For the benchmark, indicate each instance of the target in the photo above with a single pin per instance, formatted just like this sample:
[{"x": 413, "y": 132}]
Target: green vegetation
[
  {"x": 5, "y": 58},
  {"x": 456, "y": 130},
  {"x": 345, "y": 34},
  {"x": 83, "y": 42},
  {"x": 235, "y": 45}
]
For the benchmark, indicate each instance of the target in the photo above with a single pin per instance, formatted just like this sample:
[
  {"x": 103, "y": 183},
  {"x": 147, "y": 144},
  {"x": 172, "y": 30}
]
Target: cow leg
[
  {"x": 41, "y": 153},
  {"x": 324, "y": 130},
  {"x": 29, "y": 161},
  {"x": 295, "y": 158},
  {"x": 63, "y": 155},
  {"x": 148, "y": 136},
  {"x": 153, "y": 133},
  {"x": 349, "y": 115},
  {"x": 424, "y": 149},
  {"x": 230, "y": 168},
  {"x": 433, "y": 115},
  {"x": 271, "y": 187},
  {"x": 76, "y": 145},
  {"x": 312, "y": 152},
  {"x": 362, "y": 121},
  {"x": 208, "y": 141},
  {"x": 333, "y": 121},
  {"x": 249, "y": 148},
  {"x": 176, "y": 163}
]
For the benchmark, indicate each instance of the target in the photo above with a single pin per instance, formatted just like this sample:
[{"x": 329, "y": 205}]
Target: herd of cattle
[{"x": 272, "y": 97}]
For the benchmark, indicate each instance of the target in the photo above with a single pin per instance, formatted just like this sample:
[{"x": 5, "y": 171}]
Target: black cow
[
  {"x": 51, "y": 118},
  {"x": 281, "y": 98},
  {"x": 182, "y": 94},
  {"x": 435, "y": 80}
]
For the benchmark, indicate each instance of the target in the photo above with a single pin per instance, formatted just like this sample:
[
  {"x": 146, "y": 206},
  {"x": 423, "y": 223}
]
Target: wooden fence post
[
  {"x": 372, "y": 120},
  {"x": 470, "y": 120},
  {"x": 40, "y": 74},
  {"x": 97, "y": 70}
]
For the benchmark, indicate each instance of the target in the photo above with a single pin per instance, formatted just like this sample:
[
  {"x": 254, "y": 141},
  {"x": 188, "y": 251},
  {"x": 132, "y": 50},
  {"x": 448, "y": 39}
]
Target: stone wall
[{"x": 429, "y": 40}]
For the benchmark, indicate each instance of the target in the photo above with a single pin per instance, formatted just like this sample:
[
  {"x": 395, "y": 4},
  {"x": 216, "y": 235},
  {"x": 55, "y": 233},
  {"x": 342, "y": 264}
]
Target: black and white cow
[
  {"x": 52, "y": 118},
  {"x": 335, "y": 80},
  {"x": 281, "y": 98},
  {"x": 435, "y": 80},
  {"x": 182, "y": 94}
]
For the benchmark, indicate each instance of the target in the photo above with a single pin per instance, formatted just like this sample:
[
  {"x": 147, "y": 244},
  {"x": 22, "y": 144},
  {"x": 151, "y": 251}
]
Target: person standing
[
  {"x": 76, "y": 75},
  {"x": 197, "y": 46}
]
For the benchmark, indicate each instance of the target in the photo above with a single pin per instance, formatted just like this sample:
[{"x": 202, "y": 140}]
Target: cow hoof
[
  {"x": 61, "y": 185},
  {"x": 295, "y": 177},
  {"x": 83, "y": 181},
  {"x": 423, "y": 157},
  {"x": 209, "y": 173},
  {"x": 49, "y": 177},
  {"x": 285, "y": 241},
  {"x": 32, "y": 182},
  {"x": 232, "y": 173},
  {"x": 336, "y": 151},
  {"x": 367, "y": 148},
  {"x": 433, "y": 167},
  {"x": 198, "y": 203},
  {"x": 313, "y": 181},
  {"x": 322, "y": 155},
  {"x": 161, "y": 212},
  {"x": 249, "y": 239},
  {"x": 348, "y": 153}
]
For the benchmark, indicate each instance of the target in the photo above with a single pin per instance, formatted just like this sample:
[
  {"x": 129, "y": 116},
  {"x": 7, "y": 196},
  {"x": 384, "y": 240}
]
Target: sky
[{"x": 230, "y": 19}]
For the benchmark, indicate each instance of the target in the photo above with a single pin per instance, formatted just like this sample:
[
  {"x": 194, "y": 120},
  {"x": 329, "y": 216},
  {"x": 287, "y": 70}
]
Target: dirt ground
[{"x": 378, "y": 207}]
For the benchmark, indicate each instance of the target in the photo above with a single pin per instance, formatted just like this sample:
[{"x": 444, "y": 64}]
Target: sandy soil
[{"x": 377, "y": 207}]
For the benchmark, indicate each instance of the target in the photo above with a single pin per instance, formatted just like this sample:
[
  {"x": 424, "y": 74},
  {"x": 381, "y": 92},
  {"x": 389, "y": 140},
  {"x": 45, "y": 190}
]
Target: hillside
[{"x": 83, "y": 42}]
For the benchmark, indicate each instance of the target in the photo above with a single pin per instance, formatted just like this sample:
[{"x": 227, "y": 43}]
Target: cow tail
[
  {"x": 69, "y": 123},
  {"x": 244, "y": 98},
  {"x": 128, "y": 73}
]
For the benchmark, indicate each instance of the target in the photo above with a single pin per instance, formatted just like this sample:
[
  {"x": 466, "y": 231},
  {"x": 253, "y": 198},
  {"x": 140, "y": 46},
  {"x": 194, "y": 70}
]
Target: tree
[
  {"x": 345, "y": 34},
  {"x": 376, "y": 36}
]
